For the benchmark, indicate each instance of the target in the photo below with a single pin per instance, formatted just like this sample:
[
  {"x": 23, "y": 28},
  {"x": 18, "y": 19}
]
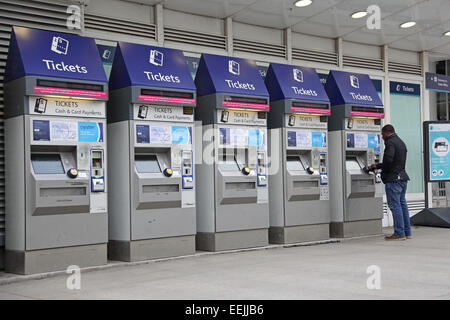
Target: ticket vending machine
[
  {"x": 354, "y": 144},
  {"x": 150, "y": 133},
  {"x": 232, "y": 183},
  {"x": 55, "y": 117},
  {"x": 297, "y": 121}
]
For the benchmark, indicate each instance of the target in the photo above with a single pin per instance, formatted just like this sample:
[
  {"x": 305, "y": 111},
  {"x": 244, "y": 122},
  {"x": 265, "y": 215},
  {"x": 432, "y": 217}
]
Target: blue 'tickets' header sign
[
  {"x": 34, "y": 52},
  {"x": 149, "y": 66},
  {"x": 292, "y": 82},
  {"x": 221, "y": 74},
  {"x": 351, "y": 88}
]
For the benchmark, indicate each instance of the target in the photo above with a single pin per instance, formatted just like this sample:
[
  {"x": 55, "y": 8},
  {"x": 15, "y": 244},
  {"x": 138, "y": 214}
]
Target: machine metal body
[
  {"x": 355, "y": 143},
  {"x": 55, "y": 119},
  {"x": 298, "y": 191},
  {"x": 150, "y": 131},
  {"x": 232, "y": 183}
]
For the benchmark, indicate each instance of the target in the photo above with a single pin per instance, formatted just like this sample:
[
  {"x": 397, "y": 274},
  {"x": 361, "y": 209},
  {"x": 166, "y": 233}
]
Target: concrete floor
[{"x": 412, "y": 269}]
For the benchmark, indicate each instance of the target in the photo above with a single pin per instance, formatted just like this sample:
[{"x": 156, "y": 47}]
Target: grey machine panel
[
  {"x": 358, "y": 201},
  {"x": 233, "y": 209},
  {"x": 54, "y": 220},
  {"x": 152, "y": 215},
  {"x": 299, "y": 191}
]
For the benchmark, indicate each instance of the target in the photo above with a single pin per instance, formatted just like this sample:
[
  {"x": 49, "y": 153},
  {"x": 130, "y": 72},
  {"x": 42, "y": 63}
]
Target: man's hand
[{"x": 373, "y": 166}]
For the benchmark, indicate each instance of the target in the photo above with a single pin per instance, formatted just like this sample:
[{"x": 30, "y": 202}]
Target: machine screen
[
  {"x": 147, "y": 164},
  {"x": 70, "y": 85},
  {"x": 228, "y": 165},
  {"x": 47, "y": 164},
  {"x": 352, "y": 164},
  {"x": 294, "y": 164}
]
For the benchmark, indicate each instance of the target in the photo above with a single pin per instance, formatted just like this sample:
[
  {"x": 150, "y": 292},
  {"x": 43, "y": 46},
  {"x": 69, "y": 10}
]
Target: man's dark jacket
[{"x": 394, "y": 159}]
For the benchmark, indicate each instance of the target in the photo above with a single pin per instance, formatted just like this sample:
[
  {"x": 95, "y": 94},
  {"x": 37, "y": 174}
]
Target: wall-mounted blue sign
[
  {"x": 107, "y": 55},
  {"x": 221, "y": 74},
  {"x": 192, "y": 65},
  {"x": 292, "y": 82},
  {"x": 437, "y": 82},
  {"x": 411, "y": 89},
  {"x": 351, "y": 88},
  {"x": 149, "y": 66},
  {"x": 34, "y": 52}
]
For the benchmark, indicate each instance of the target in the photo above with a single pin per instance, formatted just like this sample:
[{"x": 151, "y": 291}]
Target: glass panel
[
  {"x": 47, "y": 164},
  {"x": 294, "y": 164},
  {"x": 408, "y": 129},
  {"x": 352, "y": 164},
  {"x": 147, "y": 164}
]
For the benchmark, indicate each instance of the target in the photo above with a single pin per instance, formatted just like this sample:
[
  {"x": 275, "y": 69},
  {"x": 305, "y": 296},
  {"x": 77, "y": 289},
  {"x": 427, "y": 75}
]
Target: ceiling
[{"x": 331, "y": 19}]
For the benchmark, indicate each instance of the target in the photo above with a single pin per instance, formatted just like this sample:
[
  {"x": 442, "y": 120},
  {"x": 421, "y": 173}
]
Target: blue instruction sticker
[
  {"x": 350, "y": 140},
  {"x": 292, "y": 138},
  {"x": 142, "y": 134},
  {"x": 224, "y": 136},
  {"x": 180, "y": 135},
  {"x": 41, "y": 130},
  {"x": 318, "y": 139},
  {"x": 255, "y": 137},
  {"x": 90, "y": 132},
  {"x": 373, "y": 142}
]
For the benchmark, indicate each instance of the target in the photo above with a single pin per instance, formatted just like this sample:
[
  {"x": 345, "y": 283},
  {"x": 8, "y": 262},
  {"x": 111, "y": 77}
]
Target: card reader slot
[
  {"x": 60, "y": 192},
  {"x": 306, "y": 184},
  {"x": 235, "y": 190},
  {"x": 155, "y": 193},
  {"x": 303, "y": 190},
  {"x": 362, "y": 186},
  {"x": 241, "y": 186},
  {"x": 51, "y": 197},
  {"x": 161, "y": 188}
]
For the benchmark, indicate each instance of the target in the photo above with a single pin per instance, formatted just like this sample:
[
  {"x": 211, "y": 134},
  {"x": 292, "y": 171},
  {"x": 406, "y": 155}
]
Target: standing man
[{"x": 396, "y": 179}]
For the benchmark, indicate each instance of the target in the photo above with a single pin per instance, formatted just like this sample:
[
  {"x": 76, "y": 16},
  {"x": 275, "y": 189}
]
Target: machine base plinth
[
  {"x": 350, "y": 229},
  {"x": 230, "y": 240},
  {"x": 148, "y": 249},
  {"x": 55, "y": 259},
  {"x": 297, "y": 234}
]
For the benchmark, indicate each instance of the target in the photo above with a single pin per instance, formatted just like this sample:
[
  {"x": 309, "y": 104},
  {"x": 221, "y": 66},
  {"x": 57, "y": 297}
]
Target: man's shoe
[
  {"x": 409, "y": 237},
  {"x": 394, "y": 237}
]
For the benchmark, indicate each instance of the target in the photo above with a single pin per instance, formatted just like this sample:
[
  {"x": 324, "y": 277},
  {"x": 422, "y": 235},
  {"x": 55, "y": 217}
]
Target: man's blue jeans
[{"x": 395, "y": 194}]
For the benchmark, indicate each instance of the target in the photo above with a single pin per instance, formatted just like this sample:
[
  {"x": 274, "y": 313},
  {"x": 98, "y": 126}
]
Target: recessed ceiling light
[
  {"x": 447, "y": 33},
  {"x": 359, "y": 14},
  {"x": 408, "y": 24},
  {"x": 302, "y": 3}
]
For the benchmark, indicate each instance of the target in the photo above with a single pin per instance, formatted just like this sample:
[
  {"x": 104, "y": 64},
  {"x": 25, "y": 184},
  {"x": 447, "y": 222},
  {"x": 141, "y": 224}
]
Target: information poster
[
  {"x": 63, "y": 131},
  {"x": 304, "y": 139},
  {"x": 439, "y": 157},
  {"x": 239, "y": 137},
  {"x": 160, "y": 135}
]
